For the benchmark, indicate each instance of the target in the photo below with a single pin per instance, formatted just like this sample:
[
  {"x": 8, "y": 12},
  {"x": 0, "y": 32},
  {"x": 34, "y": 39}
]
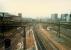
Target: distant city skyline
[{"x": 35, "y": 8}]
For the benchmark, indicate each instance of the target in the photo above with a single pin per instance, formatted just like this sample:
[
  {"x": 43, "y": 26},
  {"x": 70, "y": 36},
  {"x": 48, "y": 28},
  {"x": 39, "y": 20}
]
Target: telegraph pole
[
  {"x": 24, "y": 33},
  {"x": 3, "y": 25},
  {"x": 58, "y": 30},
  {"x": 6, "y": 41},
  {"x": 24, "y": 37}
]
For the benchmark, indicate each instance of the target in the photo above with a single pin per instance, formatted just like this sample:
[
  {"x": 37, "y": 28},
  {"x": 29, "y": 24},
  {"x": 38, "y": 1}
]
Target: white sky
[{"x": 35, "y": 8}]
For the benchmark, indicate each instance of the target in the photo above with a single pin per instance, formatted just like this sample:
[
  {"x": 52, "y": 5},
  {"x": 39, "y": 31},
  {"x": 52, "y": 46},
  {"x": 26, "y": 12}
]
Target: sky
[{"x": 35, "y": 8}]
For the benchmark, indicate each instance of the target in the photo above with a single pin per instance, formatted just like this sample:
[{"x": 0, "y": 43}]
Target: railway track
[
  {"x": 63, "y": 31},
  {"x": 48, "y": 43},
  {"x": 43, "y": 43},
  {"x": 39, "y": 43}
]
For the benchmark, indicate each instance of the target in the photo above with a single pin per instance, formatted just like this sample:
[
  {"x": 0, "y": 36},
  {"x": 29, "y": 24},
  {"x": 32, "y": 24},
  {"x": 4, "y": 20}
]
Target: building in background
[
  {"x": 65, "y": 17},
  {"x": 8, "y": 28},
  {"x": 70, "y": 17},
  {"x": 54, "y": 17}
]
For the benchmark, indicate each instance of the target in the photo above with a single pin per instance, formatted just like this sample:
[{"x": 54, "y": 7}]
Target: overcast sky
[{"x": 35, "y": 8}]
